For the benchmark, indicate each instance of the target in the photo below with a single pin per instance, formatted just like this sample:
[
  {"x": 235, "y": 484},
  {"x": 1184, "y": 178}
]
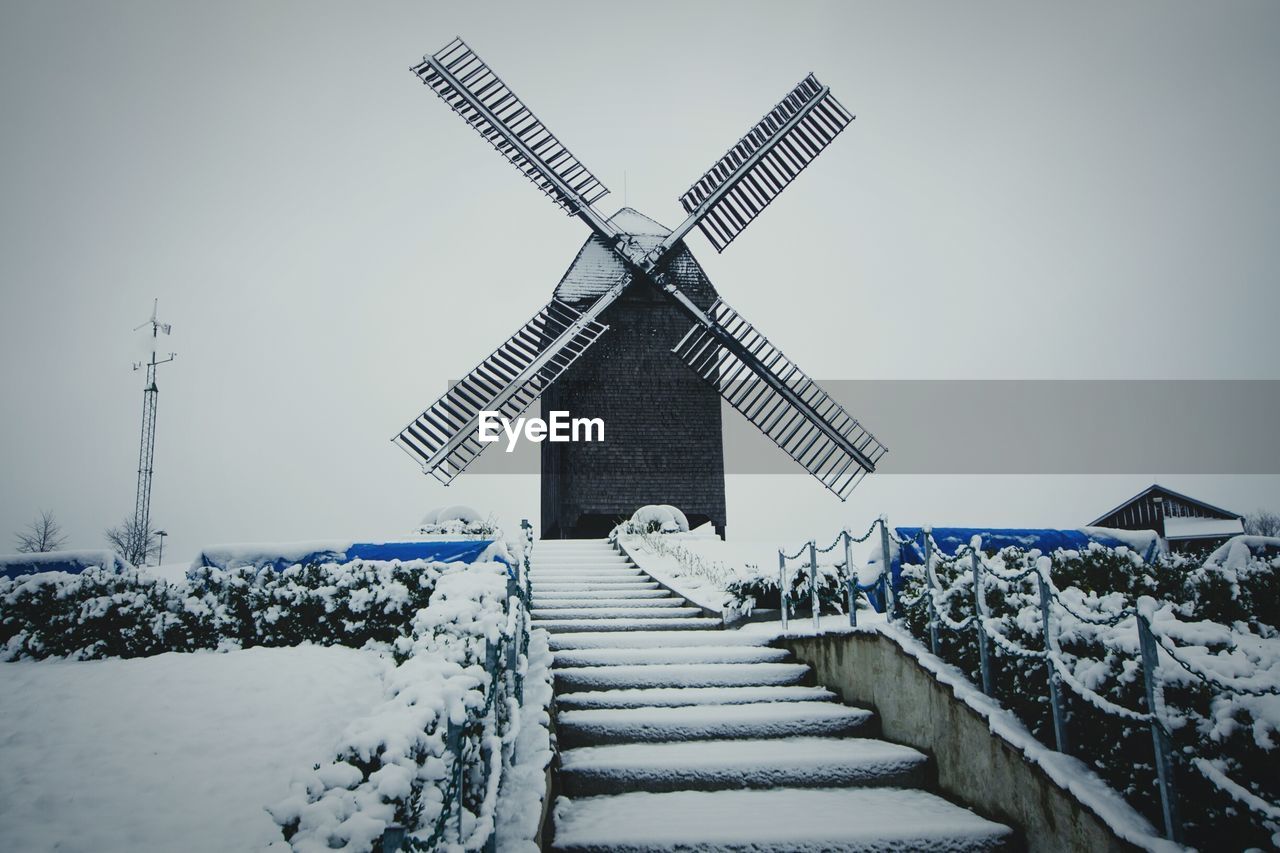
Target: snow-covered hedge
[
  {"x": 654, "y": 518},
  {"x": 101, "y": 613},
  {"x": 1223, "y": 619}
]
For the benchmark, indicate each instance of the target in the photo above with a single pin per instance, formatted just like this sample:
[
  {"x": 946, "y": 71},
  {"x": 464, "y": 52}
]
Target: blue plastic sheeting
[
  {"x": 279, "y": 557},
  {"x": 949, "y": 540},
  {"x": 73, "y": 562}
]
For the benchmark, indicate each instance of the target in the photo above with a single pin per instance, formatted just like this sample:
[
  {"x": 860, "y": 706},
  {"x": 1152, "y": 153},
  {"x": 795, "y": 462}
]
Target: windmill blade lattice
[
  {"x": 743, "y": 182},
  {"x": 475, "y": 92},
  {"x": 775, "y": 395},
  {"x": 444, "y": 439}
]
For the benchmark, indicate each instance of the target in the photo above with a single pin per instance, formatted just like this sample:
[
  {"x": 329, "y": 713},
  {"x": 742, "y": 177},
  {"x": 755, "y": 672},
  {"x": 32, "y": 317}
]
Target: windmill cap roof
[{"x": 597, "y": 268}]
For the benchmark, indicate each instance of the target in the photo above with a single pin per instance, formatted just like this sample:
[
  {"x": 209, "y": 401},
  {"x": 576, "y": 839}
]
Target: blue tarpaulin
[
  {"x": 74, "y": 562},
  {"x": 282, "y": 556},
  {"x": 949, "y": 540}
]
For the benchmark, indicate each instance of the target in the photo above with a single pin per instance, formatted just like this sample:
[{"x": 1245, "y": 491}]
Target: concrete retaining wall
[{"x": 974, "y": 765}]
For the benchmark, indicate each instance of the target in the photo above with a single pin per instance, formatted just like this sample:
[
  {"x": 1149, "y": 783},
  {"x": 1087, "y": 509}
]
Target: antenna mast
[{"x": 147, "y": 446}]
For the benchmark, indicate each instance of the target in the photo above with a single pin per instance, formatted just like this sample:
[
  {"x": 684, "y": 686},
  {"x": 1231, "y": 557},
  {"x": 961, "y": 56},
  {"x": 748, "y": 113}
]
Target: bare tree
[
  {"x": 134, "y": 544},
  {"x": 1262, "y": 522},
  {"x": 43, "y": 534}
]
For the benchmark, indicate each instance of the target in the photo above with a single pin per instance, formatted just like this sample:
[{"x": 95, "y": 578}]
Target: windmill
[{"x": 635, "y": 274}]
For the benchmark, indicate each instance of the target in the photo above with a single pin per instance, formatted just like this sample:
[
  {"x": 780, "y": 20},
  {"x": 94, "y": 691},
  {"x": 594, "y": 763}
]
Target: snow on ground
[{"x": 172, "y": 752}]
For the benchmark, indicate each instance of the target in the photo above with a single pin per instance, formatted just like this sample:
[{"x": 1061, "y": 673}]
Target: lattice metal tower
[{"x": 147, "y": 446}]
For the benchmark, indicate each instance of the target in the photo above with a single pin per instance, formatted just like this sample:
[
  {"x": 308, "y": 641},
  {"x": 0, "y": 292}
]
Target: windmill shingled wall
[{"x": 663, "y": 441}]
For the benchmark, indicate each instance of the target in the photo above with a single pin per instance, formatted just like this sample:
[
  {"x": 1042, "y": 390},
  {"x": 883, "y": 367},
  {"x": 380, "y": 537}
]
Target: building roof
[
  {"x": 597, "y": 268},
  {"x": 1168, "y": 493}
]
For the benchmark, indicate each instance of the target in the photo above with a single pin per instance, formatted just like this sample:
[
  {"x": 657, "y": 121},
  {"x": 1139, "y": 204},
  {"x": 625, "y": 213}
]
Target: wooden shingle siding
[{"x": 663, "y": 441}]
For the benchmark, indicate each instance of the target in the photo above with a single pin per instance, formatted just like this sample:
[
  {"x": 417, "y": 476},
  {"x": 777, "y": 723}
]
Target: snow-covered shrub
[
  {"x": 655, "y": 518},
  {"x": 394, "y": 765},
  {"x": 458, "y": 520},
  {"x": 1220, "y": 619},
  {"x": 759, "y": 590},
  {"x": 101, "y": 613}
]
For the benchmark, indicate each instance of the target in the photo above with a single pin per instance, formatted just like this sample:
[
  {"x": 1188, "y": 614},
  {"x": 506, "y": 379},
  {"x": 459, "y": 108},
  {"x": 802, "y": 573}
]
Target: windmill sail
[
  {"x": 742, "y": 183},
  {"x": 475, "y": 92},
  {"x": 444, "y": 438},
  {"x": 761, "y": 383}
]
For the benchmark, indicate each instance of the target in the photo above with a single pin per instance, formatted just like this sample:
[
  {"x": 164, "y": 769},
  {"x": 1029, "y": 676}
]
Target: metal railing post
[
  {"x": 886, "y": 571},
  {"x": 1055, "y": 700},
  {"x": 979, "y": 608},
  {"x": 453, "y": 743},
  {"x": 851, "y": 580},
  {"x": 928, "y": 591},
  {"x": 813, "y": 582},
  {"x": 782, "y": 586},
  {"x": 1159, "y": 737}
]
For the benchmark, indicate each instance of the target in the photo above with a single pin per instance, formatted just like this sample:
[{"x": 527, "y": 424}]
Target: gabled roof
[
  {"x": 597, "y": 268},
  {"x": 1166, "y": 492}
]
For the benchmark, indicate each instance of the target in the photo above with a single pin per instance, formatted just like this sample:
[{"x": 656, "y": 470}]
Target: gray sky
[{"x": 1030, "y": 191}]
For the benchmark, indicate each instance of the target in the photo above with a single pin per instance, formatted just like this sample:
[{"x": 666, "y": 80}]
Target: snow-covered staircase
[{"x": 675, "y": 734}]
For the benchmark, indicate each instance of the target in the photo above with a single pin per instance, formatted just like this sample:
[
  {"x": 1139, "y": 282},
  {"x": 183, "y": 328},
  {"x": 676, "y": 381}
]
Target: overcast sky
[{"x": 1029, "y": 191}]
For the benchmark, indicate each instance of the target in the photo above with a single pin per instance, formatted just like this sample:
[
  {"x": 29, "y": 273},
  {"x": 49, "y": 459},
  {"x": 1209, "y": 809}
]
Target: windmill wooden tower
[{"x": 638, "y": 279}]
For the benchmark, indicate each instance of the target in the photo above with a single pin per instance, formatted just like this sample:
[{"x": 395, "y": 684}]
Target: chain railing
[
  {"x": 502, "y": 665},
  {"x": 983, "y": 628}
]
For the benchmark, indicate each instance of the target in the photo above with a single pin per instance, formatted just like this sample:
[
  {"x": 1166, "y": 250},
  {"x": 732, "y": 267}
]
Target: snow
[
  {"x": 694, "y": 654},
  {"x": 525, "y": 785},
  {"x": 176, "y": 751},
  {"x": 887, "y": 819},
  {"x": 656, "y": 639},
  {"x": 745, "y": 763},
  {"x": 701, "y": 722},
  {"x": 627, "y": 624},
  {"x": 680, "y": 675},
  {"x": 673, "y": 697},
  {"x": 572, "y": 603},
  {"x": 1192, "y": 528},
  {"x": 616, "y": 612}
]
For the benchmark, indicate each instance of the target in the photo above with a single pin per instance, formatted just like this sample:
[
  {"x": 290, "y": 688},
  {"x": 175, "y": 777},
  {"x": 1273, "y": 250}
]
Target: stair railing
[{"x": 503, "y": 665}]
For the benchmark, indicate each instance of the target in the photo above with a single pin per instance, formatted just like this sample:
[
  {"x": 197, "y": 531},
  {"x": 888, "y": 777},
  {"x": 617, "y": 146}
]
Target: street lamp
[{"x": 160, "y": 556}]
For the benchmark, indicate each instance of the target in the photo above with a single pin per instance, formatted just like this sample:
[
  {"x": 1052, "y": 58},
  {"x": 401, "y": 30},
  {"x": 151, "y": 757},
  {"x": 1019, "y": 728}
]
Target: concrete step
[
  {"x": 688, "y": 655},
  {"x": 675, "y": 697},
  {"x": 562, "y": 587},
  {"x": 710, "y": 722},
  {"x": 581, "y": 625},
  {"x": 631, "y": 676},
  {"x": 712, "y": 765},
  {"x": 634, "y": 611},
  {"x": 540, "y": 603},
  {"x": 582, "y": 595},
  {"x": 620, "y": 581},
  {"x": 654, "y": 639},
  {"x": 797, "y": 820}
]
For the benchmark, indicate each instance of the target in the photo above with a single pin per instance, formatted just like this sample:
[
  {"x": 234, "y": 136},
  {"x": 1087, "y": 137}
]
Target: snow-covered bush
[
  {"x": 395, "y": 765},
  {"x": 1221, "y": 619},
  {"x": 655, "y": 518},
  {"x": 759, "y": 590},
  {"x": 458, "y": 520},
  {"x": 100, "y": 613}
]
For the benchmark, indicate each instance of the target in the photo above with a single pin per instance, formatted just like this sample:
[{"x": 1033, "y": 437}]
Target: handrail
[
  {"x": 1054, "y": 606},
  {"x": 502, "y": 659}
]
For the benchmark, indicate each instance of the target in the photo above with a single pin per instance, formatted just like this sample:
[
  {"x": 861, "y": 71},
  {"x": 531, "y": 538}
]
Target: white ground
[{"x": 173, "y": 752}]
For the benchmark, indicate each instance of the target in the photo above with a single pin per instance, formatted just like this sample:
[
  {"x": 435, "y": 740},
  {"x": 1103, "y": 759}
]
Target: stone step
[
  {"x": 593, "y": 612},
  {"x": 711, "y": 765},
  {"x": 687, "y": 655},
  {"x": 581, "y": 595},
  {"x": 540, "y": 603},
  {"x": 562, "y": 588},
  {"x": 680, "y": 675},
  {"x": 622, "y": 581},
  {"x": 654, "y": 639},
  {"x": 675, "y": 697},
  {"x": 581, "y": 625},
  {"x": 798, "y": 820},
  {"x": 710, "y": 722}
]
